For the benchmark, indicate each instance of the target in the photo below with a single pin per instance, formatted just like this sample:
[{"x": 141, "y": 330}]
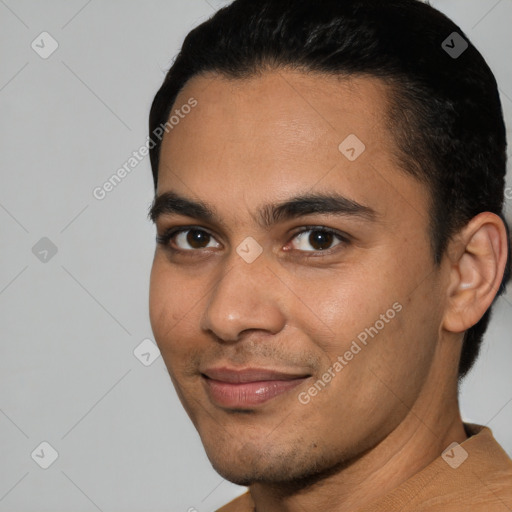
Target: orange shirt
[{"x": 476, "y": 479}]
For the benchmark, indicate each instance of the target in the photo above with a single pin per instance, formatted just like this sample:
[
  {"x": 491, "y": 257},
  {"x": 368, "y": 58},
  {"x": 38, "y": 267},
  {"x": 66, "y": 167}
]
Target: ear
[{"x": 478, "y": 255}]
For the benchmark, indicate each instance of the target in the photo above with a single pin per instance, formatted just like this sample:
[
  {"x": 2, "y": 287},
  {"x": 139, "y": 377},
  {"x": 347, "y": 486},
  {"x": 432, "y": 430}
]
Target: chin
[
  {"x": 248, "y": 475},
  {"x": 271, "y": 465},
  {"x": 248, "y": 463}
]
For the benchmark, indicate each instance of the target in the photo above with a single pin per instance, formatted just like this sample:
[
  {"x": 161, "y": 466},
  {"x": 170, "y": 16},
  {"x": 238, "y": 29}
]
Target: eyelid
[
  {"x": 170, "y": 233},
  {"x": 341, "y": 236}
]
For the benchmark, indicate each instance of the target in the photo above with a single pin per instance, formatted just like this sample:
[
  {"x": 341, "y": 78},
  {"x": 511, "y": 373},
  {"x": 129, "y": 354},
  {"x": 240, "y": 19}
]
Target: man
[{"x": 329, "y": 193}]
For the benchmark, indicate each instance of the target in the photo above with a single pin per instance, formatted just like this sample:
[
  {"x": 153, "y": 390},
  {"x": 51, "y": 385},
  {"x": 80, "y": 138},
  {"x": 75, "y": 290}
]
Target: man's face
[{"x": 251, "y": 339}]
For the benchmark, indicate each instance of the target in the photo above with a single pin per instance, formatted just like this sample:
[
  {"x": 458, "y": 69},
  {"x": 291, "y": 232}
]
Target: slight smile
[{"x": 248, "y": 387}]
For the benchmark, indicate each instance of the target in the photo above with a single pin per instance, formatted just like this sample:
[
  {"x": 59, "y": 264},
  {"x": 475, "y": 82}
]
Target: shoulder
[
  {"x": 243, "y": 503},
  {"x": 476, "y": 474}
]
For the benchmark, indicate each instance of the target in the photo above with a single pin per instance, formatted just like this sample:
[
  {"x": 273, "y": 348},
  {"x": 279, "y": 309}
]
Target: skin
[{"x": 394, "y": 407}]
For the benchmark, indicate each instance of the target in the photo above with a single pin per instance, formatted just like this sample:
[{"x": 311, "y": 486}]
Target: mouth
[{"x": 250, "y": 387}]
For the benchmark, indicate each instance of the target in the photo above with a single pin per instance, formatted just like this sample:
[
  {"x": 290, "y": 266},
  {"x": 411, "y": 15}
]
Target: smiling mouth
[{"x": 249, "y": 387}]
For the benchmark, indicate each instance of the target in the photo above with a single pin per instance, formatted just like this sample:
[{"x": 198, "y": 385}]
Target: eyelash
[{"x": 170, "y": 233}]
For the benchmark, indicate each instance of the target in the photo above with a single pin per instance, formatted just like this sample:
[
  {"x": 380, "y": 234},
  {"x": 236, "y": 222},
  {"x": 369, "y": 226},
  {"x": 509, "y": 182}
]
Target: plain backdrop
[{"x": 74, "y": 270}]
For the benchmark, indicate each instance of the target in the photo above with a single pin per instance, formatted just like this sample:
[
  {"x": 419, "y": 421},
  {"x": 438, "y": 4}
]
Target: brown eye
[
  {"x": 196, "y": 238},
  {"x": 189, "y": 239},
  {"x": 320, "y": 240},
  {"x": 317, "y": 239}
]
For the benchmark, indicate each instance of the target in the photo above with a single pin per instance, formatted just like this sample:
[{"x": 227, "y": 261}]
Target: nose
[{"x": 247, "y": 296}]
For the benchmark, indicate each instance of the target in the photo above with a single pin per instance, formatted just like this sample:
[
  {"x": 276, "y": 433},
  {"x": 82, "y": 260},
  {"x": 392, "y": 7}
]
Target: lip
[{"x": 247, "y": 387}]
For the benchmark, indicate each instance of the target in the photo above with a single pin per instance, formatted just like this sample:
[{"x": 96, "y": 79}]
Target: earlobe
[{"x": 478, "y": 261}]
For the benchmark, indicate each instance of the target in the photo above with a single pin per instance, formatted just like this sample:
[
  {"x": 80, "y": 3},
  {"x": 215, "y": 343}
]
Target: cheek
[
  {"x": 331, "y": 308},
  {"x": 376, "y": 314},
  {"x": 158, "y": 298},
  {"x": 170, "y": 302}
]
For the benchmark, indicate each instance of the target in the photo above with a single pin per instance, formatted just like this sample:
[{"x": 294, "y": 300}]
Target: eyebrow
[{"x": 169, "y": 203}]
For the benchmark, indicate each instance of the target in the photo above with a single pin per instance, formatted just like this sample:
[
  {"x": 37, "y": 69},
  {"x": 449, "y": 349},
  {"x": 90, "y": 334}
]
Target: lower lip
[{"x": 246, "y": 394}]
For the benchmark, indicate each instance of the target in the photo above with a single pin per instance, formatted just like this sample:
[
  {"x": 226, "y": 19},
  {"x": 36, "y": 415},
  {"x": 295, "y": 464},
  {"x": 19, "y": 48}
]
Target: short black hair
[{"x": 445, "y": 111}]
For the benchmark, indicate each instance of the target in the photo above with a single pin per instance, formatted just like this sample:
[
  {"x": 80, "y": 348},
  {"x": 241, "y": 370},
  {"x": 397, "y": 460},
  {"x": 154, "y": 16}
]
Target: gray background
[{"x": 70, "y": 325}]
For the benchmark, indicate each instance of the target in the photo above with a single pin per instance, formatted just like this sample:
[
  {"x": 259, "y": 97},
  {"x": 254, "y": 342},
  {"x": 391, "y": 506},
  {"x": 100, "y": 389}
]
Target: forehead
[
  {"x": 283, "y": 133},
  {"x": 282, "y": 109}
]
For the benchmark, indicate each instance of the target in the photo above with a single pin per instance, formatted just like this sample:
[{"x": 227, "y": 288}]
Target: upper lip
[{"x": 225, "y": 374}]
